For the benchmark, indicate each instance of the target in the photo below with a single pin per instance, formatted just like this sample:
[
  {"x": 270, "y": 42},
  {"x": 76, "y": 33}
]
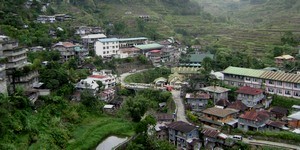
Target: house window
[
  {"x": 240, "y": 84},
  {"x": 107, "y": 52},
  {"x": 254, "y": 80},
  {"x": 103, "y": 47},
  {"x": 232, "y": 83},
  {"x": 279, "y": 83},
  {"x": 248, "y": 79},
  {"x": 297, "y": 94},
  {"x": 271, "y": 90},
  {"x": 288, "y": 84},
  {"x": 116, "y": 46},
  {"x": 287, "y": 92},
  {"x": 113, "y": 47},
  {"x": 279, "y": 91},
  {"x": 297, "y": 85},
  {"x": 104, "y": 52},
  {"x": 107, "y": 47},
  {"x": 271, "y": 82}
]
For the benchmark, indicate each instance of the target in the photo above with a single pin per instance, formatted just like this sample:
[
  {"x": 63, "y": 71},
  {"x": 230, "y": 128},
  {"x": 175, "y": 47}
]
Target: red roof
[
  {"x": 155, "y": 51},
  {"x": 249, "y": 90},
  {"x": 97, "y": 76},
  {"x": 255, "y": 115},
  {"x": 68, "y": 44}
]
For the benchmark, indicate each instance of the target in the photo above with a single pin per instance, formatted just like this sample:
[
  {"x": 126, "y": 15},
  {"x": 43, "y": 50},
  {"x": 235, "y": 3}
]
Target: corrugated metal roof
[
  {"x": 109, "y": 40},
  {"x": 244, "y": 71},
  {"x": 281, "y": 76},
  {"x": 132, "y": 39},
  {"x": 149, "y": 46}
]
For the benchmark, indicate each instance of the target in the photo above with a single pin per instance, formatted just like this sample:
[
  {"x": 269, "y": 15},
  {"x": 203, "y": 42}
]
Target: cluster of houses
[{"x": 53, "y": 18}]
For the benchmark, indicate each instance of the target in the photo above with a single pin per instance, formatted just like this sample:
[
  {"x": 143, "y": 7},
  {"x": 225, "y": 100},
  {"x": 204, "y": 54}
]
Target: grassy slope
[{"x": 93, "y": 130}]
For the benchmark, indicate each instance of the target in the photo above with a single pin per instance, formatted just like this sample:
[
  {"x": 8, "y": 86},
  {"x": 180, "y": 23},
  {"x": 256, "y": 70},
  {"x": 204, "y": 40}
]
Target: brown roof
[
  {"x": 249, "y": 90},
  {"x": 223, "y": 102},
  {"x": 210, "y": 133},
  {"x": 277, "y": 124},
  {"x": 255, "y": 115},
  {"x": 281, "y": 76},
  {"x": 126, "y": 50},
  {"x": 164, "y": 116},
  {"x": 238, "y": 105},
  {"x": 182, "y": 126},
  {"x": 219, "y": 112},
  {"x": 279, "y": 110}
]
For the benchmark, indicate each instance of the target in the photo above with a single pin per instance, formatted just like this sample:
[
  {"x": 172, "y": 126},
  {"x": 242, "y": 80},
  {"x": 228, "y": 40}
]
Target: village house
[
  {"x": 219, "y": 116},
  {"x": 283, "y": 59},
  {"x": 66, "y": 50},
  {"x": 253, "y": 120},
  {"x": 250, "y": 96},
  {"x": 223, "y": 103},
  {"x": 106, "y": 77},
  {"x": 161, "y": 126},
  {"x": 238, "y": 105},
  {"x": 294, "y": 120},
  {"x": 87, "y": 85},
  {"x": 197, "y": 101},
  {"x": 155, "y": 57},
  {"x": 213, "y": 138},
  {"x": 182, "y": 133},
  {"x": 279, "y": 83},
  {"x": 107, "y": 95},
  {"x": 216, "y": 92},
  {"x": 276, "y": 126},
  {"x": 91, "y": 39},
  {"x": 45, "y": 19},
  {"x": 279, "y": 112},
  {"x": 129, "y": 52},
  {"x": 85, "y": 30}
]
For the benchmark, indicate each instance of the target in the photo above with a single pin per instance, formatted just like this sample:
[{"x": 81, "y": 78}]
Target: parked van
[{"x": 238, "y": 137}]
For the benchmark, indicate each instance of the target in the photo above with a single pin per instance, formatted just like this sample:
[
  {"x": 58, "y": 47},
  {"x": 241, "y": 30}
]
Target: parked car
[{"x": 237, "y": 137}]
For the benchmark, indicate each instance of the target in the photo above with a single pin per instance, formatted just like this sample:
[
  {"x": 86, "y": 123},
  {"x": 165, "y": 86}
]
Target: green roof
[
  {"x": 199, "y": 57},
  {"x": 243, "y": 71},
  {"x": 149, "y": 46}
]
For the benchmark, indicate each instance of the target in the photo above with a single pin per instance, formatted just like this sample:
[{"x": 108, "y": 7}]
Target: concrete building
[
  {"x": 250, "y": 96},
  {"x": 182, "y": 133},
  {"x": 107, "y": 48},
  {"x": 197, "y": 101},
  {"x": 280, "y": 83},
  {"x": 253, "y": 120},
  {"x": 216, "y": 92},
  {"x": 66, "y": 50}
]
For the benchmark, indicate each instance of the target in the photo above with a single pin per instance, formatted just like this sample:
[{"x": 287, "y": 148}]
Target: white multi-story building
[
  {"x": 123, "y": 48},
  {"x": 107, "y": 47},
  {"x": 108, "y": 80}
]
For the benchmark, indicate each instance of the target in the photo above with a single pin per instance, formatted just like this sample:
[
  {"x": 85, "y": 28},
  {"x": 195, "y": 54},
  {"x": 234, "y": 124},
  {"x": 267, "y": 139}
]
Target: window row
[{"x": 107, "y": 47}]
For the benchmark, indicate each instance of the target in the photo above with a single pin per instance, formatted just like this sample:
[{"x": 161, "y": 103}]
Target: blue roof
[
  {"x": 132, "y": 39},
  {"x": 109, "y": 40}
]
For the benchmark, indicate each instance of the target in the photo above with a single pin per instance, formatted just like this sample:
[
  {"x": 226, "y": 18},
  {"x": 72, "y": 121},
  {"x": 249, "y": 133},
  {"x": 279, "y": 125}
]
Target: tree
[
  {"x": 136, "y": 106},
  {"x": 207, "y": 64}
]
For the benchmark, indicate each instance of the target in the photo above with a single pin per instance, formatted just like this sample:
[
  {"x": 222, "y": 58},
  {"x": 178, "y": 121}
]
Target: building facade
[
  {"x": 107, "y": 48},
  {"x": 250, "y": 96},
  {"x": 180, "y": 133},
  {"x": 197, "y": 101},
  {"x": 279, "y": 83}
]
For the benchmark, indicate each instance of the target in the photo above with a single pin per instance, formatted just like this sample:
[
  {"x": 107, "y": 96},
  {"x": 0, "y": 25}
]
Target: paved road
[
  {"x": 261, "y": 142},
  {"x": 179, "y": 106}
]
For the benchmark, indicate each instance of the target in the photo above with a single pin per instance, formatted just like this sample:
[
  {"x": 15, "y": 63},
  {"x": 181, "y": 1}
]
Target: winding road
[{"x": 180, "y": 111}]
